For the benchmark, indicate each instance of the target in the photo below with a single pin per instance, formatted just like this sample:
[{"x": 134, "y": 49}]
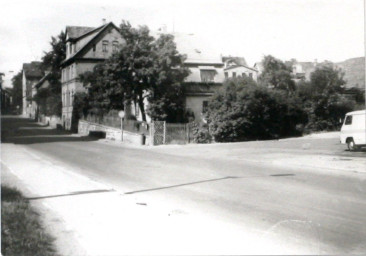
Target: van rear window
[{"x": 348, "y": 120}]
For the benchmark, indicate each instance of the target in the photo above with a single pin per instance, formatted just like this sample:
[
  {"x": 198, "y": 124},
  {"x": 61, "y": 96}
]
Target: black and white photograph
[{"x": 183, "y": 127}]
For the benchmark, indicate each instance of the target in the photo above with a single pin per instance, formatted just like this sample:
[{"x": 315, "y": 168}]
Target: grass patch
[{"x": 21, "y": 231}]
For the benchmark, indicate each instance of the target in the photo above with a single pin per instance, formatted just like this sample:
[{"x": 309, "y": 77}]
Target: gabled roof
[
  {"x": 33, "y": 70},
  {"x": 40, "y": 82},
  {"x": 238, "y": 66},
  {"x": 87, "y": 45},
  {"x": 196, "y": 51},
  {"x": 240, "y": 61},
  {"x": 74, "y": 32}
]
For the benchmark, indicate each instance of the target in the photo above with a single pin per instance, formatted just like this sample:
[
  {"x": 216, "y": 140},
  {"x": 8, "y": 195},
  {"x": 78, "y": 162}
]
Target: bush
[
  {"x": 241, "y": 112},
  {"x": 201, "y": 134}
]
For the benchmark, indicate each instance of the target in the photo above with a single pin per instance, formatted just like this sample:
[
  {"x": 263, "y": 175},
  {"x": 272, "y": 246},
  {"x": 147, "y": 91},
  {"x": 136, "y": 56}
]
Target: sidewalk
[{"x": 90, "y": 218}]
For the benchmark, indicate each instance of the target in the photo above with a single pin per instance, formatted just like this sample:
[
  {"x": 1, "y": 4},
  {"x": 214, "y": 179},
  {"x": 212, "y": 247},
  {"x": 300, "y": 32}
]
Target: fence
[
  {"x": 166, "y": 133},
  {"x": 160, "y": 132},
  {"x": 115, "y": 122}
]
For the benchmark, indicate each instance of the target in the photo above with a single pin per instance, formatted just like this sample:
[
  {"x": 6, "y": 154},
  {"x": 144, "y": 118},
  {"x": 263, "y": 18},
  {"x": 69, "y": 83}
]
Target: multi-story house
[
  {"x": 32, "y": 72},
  {"x": 238, "y": 67},
  {"x": 85, "y": 47},
  {"x": 206, "y": 75}
]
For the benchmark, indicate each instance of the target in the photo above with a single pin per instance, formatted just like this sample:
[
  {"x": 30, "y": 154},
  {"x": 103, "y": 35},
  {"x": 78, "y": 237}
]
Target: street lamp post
[{"x": 121, "y": 114}]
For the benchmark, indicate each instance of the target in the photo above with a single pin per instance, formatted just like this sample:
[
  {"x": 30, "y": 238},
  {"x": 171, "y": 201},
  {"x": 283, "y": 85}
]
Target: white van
[{"x": 353, "y": 132}]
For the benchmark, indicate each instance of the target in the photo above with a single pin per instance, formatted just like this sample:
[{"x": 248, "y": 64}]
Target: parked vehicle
[{"x": 353, "y": 131}]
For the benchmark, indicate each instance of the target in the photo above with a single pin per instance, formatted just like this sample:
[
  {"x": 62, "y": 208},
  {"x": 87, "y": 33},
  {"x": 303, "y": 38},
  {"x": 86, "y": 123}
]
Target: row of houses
[
  {"x": 88, "y": 46},
  {"x": 6, "y": 96}
]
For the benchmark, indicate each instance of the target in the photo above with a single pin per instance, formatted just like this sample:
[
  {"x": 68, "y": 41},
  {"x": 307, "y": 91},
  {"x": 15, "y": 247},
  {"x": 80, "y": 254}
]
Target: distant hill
[{"x": 354, "y": 72}]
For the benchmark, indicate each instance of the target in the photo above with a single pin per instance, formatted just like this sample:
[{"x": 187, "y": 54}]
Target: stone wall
[
  {"x": 112, "y": 133},
  {"x": 52, "y": 121}
]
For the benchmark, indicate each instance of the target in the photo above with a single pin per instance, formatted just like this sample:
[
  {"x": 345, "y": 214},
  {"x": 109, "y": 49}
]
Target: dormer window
[{"x": 105, "y": 46}]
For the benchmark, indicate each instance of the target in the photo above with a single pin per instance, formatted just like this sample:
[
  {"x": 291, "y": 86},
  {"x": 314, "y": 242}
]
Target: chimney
[{"x": 104, "y": 21}]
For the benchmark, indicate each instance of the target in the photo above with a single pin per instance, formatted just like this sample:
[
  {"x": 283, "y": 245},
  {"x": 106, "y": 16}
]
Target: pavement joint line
[{"x": 75, "y": 193}]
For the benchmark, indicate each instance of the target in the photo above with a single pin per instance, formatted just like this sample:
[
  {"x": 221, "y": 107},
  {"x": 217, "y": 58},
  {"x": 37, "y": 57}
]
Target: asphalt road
[{"x": 321, "y": 210}]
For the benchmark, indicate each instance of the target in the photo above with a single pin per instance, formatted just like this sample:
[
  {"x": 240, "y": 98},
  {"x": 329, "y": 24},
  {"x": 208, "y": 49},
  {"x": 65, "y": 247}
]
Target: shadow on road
[
  {"x": 210, "y": 180},
  {"x": 20, "y": 130},
  {"x": 76, "y": 193}
]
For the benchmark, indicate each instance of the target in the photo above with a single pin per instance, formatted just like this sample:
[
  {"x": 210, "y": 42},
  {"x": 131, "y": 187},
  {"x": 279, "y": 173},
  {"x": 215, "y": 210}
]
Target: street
[{"x": 299, "y": 195}]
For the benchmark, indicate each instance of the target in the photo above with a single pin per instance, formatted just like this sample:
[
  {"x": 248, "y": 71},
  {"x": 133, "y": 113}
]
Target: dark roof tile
[{"x": 75, "y": 31}]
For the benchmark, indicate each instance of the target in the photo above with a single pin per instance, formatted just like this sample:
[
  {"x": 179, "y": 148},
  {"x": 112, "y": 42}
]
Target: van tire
[{"x": 351, "y": 145}]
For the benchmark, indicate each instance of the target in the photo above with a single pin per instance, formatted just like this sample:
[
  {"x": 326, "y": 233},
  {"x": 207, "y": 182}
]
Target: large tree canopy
[
  {"x": 276, "y": 74},
  {"x": 242, "y": 111},
  {"x": 143, "y": 68},
  {"x": 324, "y": 99},
  {"x": 49, "y": 99},
  {"x": 17, "y": 92}
]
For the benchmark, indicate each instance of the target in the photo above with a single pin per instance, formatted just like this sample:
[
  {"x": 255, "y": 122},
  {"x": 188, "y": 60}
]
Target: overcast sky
[{"x": 302, "y": 29}]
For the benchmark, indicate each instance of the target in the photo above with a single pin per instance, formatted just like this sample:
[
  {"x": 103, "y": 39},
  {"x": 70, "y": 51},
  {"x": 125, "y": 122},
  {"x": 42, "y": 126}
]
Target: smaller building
[
  {"x": 6, "y": 98},
  {"x": 238, "y": 67},
  {"x": 32, "y": 73},
  {"x": 301, "y": 70}
]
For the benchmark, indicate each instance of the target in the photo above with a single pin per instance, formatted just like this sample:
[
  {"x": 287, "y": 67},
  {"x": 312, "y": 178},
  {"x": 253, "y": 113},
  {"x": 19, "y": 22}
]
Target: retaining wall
[
  {"x": 84, "y": 127},
  {"x": 52, "y": 121}
]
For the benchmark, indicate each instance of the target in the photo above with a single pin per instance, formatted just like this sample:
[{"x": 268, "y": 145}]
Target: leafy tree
[
  {"x": 50, "y": 98},
  {"x": 276, "y": 74},
  {"x": 166, "y": 102},
  {"x": 80, "y": 108},
  {"x": 240, "y": 111},
  {"x": 326, "y": 79},
  {"x": 17, "y": 92},
  {"x": 323, "y": 98},
  {"x": 143, "y": 68}
]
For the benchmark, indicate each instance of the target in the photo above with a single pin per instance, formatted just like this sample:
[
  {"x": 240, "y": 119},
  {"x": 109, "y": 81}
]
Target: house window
[
  {"x": 105, "y": 46},
  {"x": 234, "y": 74},
  {"x": 115, "y": 46},
  {"x": 72, "y": 98},
  {"x": 204, "y": 106},
  {"x": 137, "y": 111},
  {"x": 208, "y": 75},
  {"x": 70, "y": 48},
  {"x": 226, "y": 75},
  {"x": 251, "y": 75},
  {"x": 243, "y": 75},
  {"x": 94, "y": 47}
]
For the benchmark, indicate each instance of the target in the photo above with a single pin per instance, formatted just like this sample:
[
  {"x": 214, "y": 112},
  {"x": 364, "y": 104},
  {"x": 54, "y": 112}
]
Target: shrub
[
  {"x": 240, "y": 112},
  {"x": 201, "y": 134}
]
